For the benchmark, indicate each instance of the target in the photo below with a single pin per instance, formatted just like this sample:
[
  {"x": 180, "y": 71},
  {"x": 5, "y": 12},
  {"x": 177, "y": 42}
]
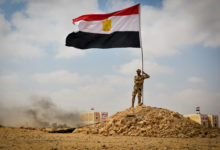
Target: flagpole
[{"x": 142, "y": 52}]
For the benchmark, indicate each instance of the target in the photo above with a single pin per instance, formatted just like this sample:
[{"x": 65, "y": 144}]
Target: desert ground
[{"x": 36, "y": 139}]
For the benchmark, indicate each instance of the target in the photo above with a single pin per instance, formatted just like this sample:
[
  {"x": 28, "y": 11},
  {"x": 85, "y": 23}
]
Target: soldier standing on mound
[{"x": 138, "y": 86}]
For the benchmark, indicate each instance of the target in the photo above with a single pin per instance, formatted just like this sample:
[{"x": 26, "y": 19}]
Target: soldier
[{"x": 138, "y": 86}]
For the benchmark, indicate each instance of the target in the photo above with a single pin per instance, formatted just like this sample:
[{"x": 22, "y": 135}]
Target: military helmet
[{"x": 138, "y": 70}]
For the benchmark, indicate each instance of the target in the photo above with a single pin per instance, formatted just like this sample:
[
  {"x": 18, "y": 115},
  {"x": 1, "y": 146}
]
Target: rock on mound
[{"x": 151, "y": 122}]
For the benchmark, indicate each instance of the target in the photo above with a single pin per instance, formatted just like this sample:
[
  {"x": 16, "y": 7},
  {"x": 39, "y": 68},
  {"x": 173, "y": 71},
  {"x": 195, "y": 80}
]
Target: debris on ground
[
  {"x": 69, "y": 130},
  {"x": 150, "y": 122}
]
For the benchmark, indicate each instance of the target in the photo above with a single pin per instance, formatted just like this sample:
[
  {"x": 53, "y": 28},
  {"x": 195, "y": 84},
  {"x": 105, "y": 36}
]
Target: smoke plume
[{"x": 42, "y": 112}]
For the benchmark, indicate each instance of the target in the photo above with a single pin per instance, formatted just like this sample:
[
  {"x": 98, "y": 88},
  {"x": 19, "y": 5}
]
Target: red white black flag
[{"x": 117, "y": 29}]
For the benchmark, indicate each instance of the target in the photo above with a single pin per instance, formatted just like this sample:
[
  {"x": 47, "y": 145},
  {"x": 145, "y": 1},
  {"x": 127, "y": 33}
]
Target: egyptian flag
[{"x": 117, "y": 29}]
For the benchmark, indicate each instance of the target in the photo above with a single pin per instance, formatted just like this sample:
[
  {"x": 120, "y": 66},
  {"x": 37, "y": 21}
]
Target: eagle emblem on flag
[
  {"x": 113, "y": 30},
  {"x": 106, "y": 25}
]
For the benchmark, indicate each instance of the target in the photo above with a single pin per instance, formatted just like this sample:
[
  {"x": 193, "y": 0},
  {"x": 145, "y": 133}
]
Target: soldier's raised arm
[{"x": 145, "y": 75}]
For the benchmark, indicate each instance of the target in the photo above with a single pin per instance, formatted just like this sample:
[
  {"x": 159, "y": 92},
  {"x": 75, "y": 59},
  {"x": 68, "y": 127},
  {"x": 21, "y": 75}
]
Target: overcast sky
[{"x": 181, "y": 41}]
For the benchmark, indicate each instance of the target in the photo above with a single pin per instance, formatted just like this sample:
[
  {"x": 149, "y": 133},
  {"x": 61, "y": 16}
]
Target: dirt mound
[{"x": 151, "y": 122}]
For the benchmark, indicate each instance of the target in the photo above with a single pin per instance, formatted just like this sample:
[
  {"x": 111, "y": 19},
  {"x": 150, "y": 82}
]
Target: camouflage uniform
[{"x": 138, "y": 87}]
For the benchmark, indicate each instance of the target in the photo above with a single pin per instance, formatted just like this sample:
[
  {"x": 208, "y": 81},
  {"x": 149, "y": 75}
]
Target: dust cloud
[{"x": 41, "y": 112}]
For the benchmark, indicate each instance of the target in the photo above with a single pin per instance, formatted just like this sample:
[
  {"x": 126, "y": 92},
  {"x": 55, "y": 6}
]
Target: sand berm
[{"x": 149, "y": 122}]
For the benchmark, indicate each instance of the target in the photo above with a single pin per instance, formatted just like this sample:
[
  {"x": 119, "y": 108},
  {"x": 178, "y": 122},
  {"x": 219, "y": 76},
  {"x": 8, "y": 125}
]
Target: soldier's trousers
[{"x": 135, "y": 92}]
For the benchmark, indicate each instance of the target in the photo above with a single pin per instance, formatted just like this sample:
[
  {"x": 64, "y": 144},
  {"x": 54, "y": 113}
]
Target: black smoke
[{"x": 41, "y": 112}]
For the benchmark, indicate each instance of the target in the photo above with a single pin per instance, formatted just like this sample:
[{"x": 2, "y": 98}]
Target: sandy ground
[{"x": 19, "y": 139}]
